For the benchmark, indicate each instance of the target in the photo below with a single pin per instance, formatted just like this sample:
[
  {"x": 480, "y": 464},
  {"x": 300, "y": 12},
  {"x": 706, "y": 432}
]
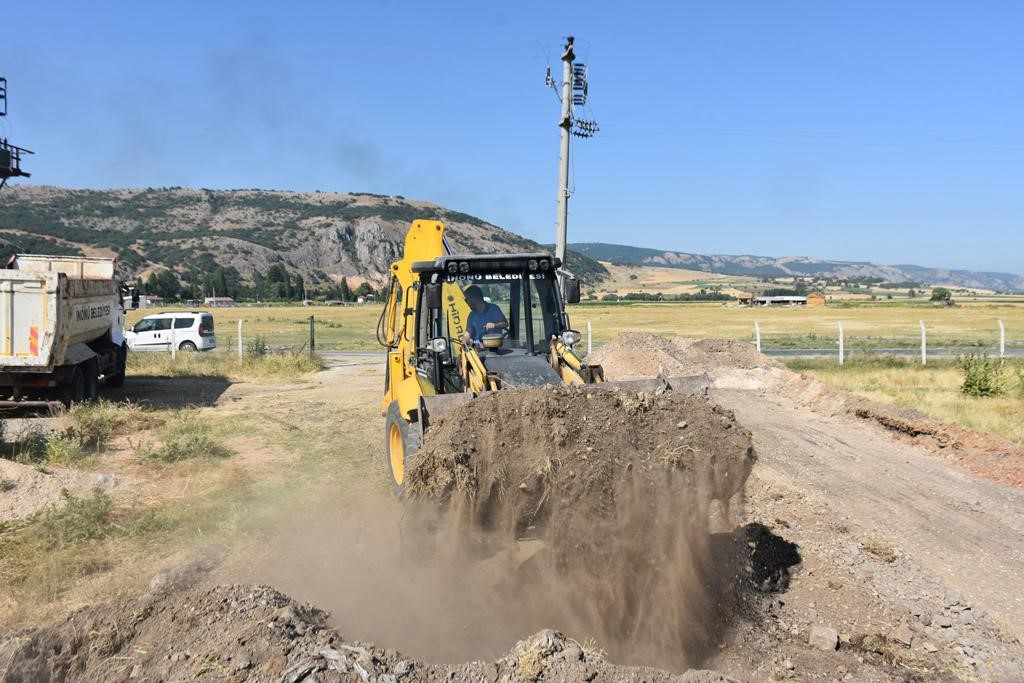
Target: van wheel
[
  {"x": 74, "y": 391},
  {"x": 187, "y": 346},
  {"x": 402, "y": 440}
]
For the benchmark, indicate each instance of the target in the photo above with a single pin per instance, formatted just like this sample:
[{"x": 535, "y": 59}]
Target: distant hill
[
  {"x": 798, "y": 266},
  {"x": 319, "y": 236}
]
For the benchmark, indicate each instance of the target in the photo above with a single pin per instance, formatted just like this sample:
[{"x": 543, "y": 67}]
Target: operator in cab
[{"x": 484, "y": 317}]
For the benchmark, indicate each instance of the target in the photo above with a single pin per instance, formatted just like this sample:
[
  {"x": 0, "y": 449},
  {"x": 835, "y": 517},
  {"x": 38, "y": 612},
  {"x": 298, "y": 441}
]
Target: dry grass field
[
  {"x": 933, "y": 389},
  {"x": 866, "y": 327}
]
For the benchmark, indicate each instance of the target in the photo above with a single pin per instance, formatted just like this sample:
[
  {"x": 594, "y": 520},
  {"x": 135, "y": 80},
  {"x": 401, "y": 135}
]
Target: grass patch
[
  {"x": 38, "y": 447},
  {"x": 934, "y": 389},
  {"x": 272, "y": 366},
  {"x": 186, "y": 437},
  {"x": 95, "y": 423}
]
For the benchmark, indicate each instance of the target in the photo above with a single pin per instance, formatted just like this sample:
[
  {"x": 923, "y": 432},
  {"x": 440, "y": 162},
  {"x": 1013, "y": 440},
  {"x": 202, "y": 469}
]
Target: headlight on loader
[
  {"x": 570, "y": 337},
  {"x": 437, "y": 345}
]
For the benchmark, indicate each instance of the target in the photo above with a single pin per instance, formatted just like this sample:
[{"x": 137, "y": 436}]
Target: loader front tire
[{"x": 401, "y": 442}]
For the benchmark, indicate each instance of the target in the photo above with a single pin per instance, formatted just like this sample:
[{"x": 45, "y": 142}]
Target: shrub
[
  {"x": 257, "y": 347},
  {"x": 63, "y": 450},
  {"x": 95, "y": 423},
  {"x": 186, "y": 438},
  {"x": 983, "y": 376},
  {"x": 80, "y": 519}
]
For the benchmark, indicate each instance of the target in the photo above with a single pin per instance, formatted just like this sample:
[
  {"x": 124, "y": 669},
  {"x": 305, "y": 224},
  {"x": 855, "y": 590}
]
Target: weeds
[
  {"x": 224, "y": 365},
  {"x": 6, "y": 485},
  {"x": 95, "y": 423},
  {"x": 983, "y": 376},
  {"x": 79, "y": 519},
  {"x": 186, "y": 438},
  {"x": 257, "y": 347}
]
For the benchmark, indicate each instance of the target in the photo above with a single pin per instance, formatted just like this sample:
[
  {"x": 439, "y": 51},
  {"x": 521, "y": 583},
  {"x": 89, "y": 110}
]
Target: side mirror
[
  {"x": 135, "y": 298},
  {"x": 432, "y": 294},
  {"x": 571, "y": 290}
]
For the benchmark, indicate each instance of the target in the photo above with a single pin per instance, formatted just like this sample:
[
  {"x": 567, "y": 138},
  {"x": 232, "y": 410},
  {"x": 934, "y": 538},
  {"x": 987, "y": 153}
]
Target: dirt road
[{"x": 968, "y": 531}]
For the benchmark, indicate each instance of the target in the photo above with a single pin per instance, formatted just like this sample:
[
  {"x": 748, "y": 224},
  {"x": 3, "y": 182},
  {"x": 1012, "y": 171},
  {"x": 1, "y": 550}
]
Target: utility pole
[
  {"x": 564, "y": 124},
  {"x": 572, "y": 92}
]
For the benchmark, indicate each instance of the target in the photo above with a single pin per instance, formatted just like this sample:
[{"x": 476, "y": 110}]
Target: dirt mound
[
  {"x": 637, "y": 355},
  {"x": 592, "y": 509},
  {"x": 254, "y": 633}
]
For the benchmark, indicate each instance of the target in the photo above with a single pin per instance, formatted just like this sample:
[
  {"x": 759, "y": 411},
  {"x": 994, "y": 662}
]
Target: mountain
[
  {"x": 321, "y": 236},
  {"x": 798, "y": 266}
]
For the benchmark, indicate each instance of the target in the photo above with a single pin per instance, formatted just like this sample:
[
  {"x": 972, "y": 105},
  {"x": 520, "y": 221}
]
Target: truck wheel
[
  {"x": 187, "y": 346},
  {"x": 74, "y": 391},
  {"x": 91, "y": 372},
  {"x": 401, "y": 443},
  {"x": 116, "y": 380}
]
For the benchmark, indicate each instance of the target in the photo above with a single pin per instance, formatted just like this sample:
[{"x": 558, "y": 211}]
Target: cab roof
[{"x": 486, "y": 263}]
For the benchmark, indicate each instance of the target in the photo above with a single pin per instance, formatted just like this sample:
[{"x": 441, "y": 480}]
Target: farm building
[
  {"x": 780, "y": 301},
  {"x": 816, "y": 299},
  {"x": 218, "y": 302}
]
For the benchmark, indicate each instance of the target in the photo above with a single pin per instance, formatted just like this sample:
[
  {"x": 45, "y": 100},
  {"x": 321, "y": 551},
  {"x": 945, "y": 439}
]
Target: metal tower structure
[{"x": 10, "y": 155}]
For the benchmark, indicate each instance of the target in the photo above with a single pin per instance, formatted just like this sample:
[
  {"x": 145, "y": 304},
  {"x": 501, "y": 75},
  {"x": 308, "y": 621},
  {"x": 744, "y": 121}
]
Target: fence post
[
  {"x": 1002, "y": 340},
  {"x": 239, "y": 339},
  {"x": 174, "y": 342},
  {"x": 840, "y": 324},
  {"x": 590, "y": 337},
  {"x": 757, "y": 336},
  {"x": 924, "y": 343},
  {"x": 312, "y": 337}
]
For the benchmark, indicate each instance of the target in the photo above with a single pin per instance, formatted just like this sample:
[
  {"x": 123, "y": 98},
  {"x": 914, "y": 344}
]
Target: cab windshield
[{"x": 522, "y": 307}]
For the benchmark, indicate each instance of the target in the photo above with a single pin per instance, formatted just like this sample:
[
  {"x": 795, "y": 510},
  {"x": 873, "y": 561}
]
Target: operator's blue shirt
[{"x": 476, "y": 321}]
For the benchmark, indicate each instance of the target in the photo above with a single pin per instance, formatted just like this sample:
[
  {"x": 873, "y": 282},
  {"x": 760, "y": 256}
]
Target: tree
[
  {"x": 344, "y": 292},
  {"x": 365, "y": 289},
  {"x": 163, "y": 283},
  {"x": 941, "y": 294}
]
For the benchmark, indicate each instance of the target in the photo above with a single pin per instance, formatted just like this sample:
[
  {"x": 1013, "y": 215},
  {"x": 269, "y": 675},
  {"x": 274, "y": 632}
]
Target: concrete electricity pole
[
  {"x": 573, "y": 93},
  {"x": 565, "y": 124}
]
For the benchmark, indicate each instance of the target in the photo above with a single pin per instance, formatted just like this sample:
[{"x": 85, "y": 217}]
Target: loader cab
[{"x": 520, "y": 290}]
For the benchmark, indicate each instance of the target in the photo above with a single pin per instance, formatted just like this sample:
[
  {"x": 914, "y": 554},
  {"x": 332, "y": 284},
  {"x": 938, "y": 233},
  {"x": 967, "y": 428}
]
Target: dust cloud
[{"x": 587, "y": 512}]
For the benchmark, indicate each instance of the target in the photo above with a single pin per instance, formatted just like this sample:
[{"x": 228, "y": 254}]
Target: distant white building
[{"x": 219, "y": 302}]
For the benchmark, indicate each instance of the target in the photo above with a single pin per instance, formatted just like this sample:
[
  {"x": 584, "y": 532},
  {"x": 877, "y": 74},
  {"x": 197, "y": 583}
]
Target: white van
[{"x": 189, "y": 331}]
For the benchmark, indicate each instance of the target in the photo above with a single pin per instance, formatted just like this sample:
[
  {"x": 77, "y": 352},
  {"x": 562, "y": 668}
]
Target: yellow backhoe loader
[{"x": 458, "y": 325}]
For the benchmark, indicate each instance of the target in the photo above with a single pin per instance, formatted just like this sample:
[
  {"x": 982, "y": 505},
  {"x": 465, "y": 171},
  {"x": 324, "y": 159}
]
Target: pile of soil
[
  {"x": 254, "y": 633},
  {"x": 734, "y": 364},
  {"x": 593, "y": 509},
  {"x": 637, "y": 355}
]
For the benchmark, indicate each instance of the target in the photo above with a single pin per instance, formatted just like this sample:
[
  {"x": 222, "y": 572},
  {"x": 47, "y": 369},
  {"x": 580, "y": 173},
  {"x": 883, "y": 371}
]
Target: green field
[{"x": 866, "y": 326}]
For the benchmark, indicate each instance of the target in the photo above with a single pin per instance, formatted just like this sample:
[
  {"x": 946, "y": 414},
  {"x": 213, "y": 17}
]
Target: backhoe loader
[
  {"x": 438, "y": 357},
  {"x": 436, "y": 360}
]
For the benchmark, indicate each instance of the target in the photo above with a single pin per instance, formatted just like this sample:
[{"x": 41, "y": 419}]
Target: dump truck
[
  {"x": 62, "y": 321},
  {"x": 457, "y": 325}
]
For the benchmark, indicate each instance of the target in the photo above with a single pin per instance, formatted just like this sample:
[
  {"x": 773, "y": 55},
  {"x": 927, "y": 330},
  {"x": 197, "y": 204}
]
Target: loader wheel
[{"x": 401, "y": 442}]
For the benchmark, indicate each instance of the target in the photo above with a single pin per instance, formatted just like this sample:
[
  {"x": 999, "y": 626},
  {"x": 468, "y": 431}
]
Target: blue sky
[{"x": 882, "y": 131}]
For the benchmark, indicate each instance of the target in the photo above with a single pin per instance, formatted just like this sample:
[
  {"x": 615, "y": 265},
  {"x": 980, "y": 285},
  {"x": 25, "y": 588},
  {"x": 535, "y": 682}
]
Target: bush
[
  {"x": 95, "y": 423},
  {"x": 257, "y": 347},
  {"x": 983, "y": 376},
  {"x": 186, "y": 438},
  {"x": 80, "y": 519}
]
